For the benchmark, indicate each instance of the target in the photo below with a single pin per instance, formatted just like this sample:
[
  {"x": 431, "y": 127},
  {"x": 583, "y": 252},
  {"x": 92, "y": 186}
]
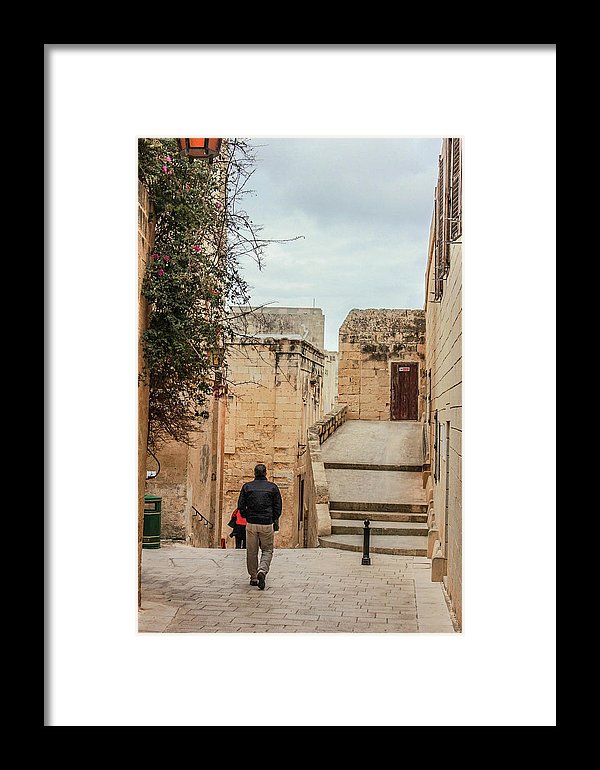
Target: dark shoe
[
  {"x": 261, "y": 581},
  {"x": 254, "y": 582}
]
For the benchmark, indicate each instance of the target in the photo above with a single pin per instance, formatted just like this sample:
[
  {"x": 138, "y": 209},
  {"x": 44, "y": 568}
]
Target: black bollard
[{"x": 366, "y": 559}]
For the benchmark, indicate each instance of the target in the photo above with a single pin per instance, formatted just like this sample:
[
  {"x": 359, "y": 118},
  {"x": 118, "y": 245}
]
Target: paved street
[
  {"x": 191, "y": 590},
  {"x": 375, "y": 441}
]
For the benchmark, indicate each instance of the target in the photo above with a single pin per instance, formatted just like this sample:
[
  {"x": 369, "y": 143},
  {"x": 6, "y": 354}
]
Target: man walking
[{"x": 260, "y": 504}]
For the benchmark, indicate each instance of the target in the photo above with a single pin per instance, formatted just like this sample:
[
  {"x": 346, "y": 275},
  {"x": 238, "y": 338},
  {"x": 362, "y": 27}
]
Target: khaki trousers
[{"x": 259, "y": 536}]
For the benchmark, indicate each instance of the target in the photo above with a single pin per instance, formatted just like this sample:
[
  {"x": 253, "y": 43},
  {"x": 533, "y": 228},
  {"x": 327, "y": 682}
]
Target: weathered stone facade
[
  {"x": 370, "y": 341},
  {"x": 306, "y": 322},
  {"x": 443, "y": 415},
  {"x": 275, "y": 391},
  {"x": 145, "y": 244},
  {"x": 330, "y": 381},
  {"x": 191, "y": 477}
]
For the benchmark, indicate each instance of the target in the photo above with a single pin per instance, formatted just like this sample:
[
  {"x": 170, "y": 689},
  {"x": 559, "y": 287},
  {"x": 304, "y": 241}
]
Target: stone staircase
[
  {"x": 396, "y": 528},
  {"x": 363, "y": 484}
]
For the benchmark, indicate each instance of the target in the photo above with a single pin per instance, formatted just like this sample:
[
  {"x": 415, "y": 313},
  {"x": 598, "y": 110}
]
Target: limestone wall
[
  {"x": 318, "y": 518},
  {"x": 145, "y": 244},
  {"x": 275, "y": 391},
  {"x": 171, "y": 486},
  {"x": 330, "y": 381},
  {"x": 192, "y": 477},
  {"x": 444, "y": 481},
  {"x": 307, "y": 322},
  {"x": 369, "y": 341}
]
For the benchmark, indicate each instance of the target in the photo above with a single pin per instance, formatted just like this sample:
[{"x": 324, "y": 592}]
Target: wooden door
[{"x": 404, "y": 398}]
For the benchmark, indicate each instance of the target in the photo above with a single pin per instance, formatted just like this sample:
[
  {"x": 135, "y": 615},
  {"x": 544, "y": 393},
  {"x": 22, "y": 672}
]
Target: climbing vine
[{"x": 193, "y": 278}]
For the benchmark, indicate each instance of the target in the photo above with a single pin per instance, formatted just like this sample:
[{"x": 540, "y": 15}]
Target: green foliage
[
  {"x": 191, "y": 276},
  {"x": 193, "y": 280}
]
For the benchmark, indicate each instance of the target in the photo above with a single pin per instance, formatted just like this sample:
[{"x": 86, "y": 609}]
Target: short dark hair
[{"x": 260, "y": 471}]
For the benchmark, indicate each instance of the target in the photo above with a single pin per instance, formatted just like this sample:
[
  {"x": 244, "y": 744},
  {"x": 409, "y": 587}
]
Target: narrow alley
[{"x": 372, "y": 473}]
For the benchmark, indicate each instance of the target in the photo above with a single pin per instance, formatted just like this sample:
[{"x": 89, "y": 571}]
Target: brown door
[{"x": 404, "y": 399}]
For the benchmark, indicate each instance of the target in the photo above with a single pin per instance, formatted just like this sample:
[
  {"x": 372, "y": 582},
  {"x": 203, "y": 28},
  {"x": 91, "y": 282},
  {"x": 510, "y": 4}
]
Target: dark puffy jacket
[{"x": 260, "y": 502}]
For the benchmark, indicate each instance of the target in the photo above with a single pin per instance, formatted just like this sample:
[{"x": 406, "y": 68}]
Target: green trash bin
[{"x": 152, "y": 513}]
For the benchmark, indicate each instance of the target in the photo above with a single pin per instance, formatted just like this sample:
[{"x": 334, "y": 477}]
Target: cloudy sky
[{"x": 363, "y": 207}]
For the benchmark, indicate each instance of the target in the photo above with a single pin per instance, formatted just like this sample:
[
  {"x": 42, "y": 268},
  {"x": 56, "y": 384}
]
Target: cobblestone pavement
[{"x": 186, "y": 589}]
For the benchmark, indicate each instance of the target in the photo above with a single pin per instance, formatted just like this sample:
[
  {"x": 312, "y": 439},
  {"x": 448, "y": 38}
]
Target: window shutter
[
  {"x": 456, "y": 191},
  {"x": 439, "y": 231},
  {"x": 441, "y": 214},
  {"x": 436, "y": 258}
]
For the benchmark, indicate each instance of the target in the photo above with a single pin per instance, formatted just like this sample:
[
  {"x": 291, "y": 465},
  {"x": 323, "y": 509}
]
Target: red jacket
[{"x": 237, "y": 518}]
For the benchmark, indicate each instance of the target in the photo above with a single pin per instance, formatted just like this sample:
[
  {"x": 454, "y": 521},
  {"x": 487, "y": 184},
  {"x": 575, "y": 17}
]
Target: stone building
[
  {"x": 275, "y": 393},
  {"x": 190, "y": 478},
  {"x": 442, "y": 418},
  {"x": 381, "y": 370},
  {"x": 330, "y": 381},
  {"x": 190, "y": 482},
  {"x": 145, "y": 244},
  {"x": 275, "y": 382},
  {"x": 306, "y": 322}
]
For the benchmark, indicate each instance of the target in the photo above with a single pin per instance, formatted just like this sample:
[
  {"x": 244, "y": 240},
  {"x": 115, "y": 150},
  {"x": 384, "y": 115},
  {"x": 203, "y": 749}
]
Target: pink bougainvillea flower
[
  {"x": 167, "y": 257},
  {"x": 155, "y": 256},
  {"x": 197, "y": 248},
  {"x": 218, "y": 205},
  {"x": 164, "y": 168},
  {"x": 170, "y": 171},
  {"x": 161, "y": 271},
  {"x": 168, "y": 158}
]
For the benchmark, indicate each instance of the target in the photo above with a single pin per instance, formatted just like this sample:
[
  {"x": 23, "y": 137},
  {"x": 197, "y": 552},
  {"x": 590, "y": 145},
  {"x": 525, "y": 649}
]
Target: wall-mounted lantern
[{"x": 205, "y": 149}]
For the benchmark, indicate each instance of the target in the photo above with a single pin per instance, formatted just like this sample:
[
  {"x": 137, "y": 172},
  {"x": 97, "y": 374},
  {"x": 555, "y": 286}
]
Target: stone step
[
  {"x": 377, "y": 516},
  {"x": 387, "y": 528},
  {"x": 372, "y": 467},
  {"x": 376, "y": 488},
  {"x": 393, "y": 545},
  {"x": 345, "y": 505}
]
